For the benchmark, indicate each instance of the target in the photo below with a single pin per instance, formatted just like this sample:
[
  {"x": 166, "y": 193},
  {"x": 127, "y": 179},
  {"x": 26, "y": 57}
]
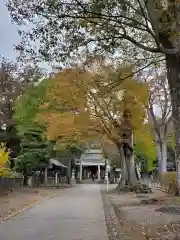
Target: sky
[{"x": 9, "y": 35}]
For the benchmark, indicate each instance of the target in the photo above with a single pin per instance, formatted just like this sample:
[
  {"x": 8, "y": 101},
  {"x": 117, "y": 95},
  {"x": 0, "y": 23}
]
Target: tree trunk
[
  {"x": 25, "y": 176},
  {"x": 123, "y": 178},
  {"x": 163, "y": 164},
  {"x": 173, "y": 73},
  {"x": 25, "y": 180},
  {"x": 161, "y": 148},
  {"x": 69, "y": 169},
  {"x": 45, "y": 176},
  {"x": 128, "y": 173},
  {"x": 121, "y": 183},
  {"x": 132, "y": 178}
]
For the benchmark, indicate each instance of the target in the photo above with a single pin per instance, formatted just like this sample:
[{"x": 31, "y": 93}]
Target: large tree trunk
[
  {"x": 123, "y": 178},
  {"x": 159, "y": 138},
  {"x": 161, "y": 148},
  {"x": 173, "y": 73},
  {"x": 121, "y": 183},
  {"x": 128, "y": 173},
  {"x": 132, "y": 177}
]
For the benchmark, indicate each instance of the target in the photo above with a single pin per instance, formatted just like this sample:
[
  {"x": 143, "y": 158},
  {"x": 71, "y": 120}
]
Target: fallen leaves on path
[
  {"x": 150, "y": 219},
  {"x": 15, "y": 203}
]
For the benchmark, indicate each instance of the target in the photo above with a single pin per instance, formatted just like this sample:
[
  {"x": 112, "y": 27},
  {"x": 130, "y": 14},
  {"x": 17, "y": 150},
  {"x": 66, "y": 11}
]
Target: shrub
[
  {"x": 168, "y": 182},
  {"x": 140, "y": 188},
  {"x": 16, "y": 175},
  {"x": 5, "y": 172},
  {"x": 4, "y": 162},
  {"x": 4, "y": 156}
]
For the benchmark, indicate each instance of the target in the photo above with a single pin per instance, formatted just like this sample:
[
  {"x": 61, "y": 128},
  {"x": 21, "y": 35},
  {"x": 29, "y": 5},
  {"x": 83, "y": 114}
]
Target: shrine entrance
[{"x": 91, "y": 162}]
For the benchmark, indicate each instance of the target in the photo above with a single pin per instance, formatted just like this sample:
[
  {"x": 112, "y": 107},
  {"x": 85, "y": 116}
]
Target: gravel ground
[
  {"x": 132, "y": 219},
  {"x": 111, "y": 219},
  {"x": 117, "y": 229}
]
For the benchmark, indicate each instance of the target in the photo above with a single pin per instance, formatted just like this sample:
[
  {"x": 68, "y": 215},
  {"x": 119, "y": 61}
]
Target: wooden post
[
  {"x": 99, "y": 172},
  {"x": 46, "y": 176},
  {"x": 80, "y": 177}
]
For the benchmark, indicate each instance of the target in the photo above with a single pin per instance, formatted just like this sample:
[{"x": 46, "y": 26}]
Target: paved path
[{"x": 75, "y": 214}]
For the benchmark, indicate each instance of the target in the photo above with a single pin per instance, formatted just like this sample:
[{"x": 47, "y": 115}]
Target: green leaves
[
  {"x": 144, "y": 146},
  {"x": 28, "y": 105},
  {"x": 69, "y": 29},
  {"x": 35, "y": 150},
  {"x": 98, "y": 6}
]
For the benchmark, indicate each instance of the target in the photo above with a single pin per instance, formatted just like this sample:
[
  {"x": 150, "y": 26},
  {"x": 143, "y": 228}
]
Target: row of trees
[
  {"x": 141, "y": 31},
  {"x": 15, "y": 79},
  {"x": 79, "y": 104},
  {"x": 26, "y": 147}
]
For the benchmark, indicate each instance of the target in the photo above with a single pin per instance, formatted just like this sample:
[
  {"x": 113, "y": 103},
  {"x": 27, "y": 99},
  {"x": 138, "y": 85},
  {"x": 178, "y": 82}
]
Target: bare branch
[{"x": 119, "y": 81}]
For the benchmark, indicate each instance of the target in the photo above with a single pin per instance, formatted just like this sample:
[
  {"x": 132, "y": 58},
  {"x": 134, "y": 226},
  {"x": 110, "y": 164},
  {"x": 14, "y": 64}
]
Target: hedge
[{"x": 168, "y": 182}]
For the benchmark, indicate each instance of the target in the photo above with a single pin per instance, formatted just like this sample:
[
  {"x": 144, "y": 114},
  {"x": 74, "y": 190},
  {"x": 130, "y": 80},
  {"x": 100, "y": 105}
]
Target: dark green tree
[
  {"x": 35, "y": 153},
  {"x": 13, "y": 82}
]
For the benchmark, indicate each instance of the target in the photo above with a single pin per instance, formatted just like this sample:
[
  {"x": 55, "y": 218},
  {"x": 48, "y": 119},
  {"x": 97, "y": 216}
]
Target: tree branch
[{"x": 119, "y": 81}]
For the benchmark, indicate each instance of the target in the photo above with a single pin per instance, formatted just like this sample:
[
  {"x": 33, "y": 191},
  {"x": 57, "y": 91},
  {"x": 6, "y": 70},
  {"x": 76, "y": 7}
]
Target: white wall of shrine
[{"x": 91, "y": 157}]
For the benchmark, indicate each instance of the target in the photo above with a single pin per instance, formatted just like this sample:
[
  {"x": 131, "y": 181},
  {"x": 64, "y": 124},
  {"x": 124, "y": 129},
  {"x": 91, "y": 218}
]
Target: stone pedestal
[{"x": 73, "y": 180}]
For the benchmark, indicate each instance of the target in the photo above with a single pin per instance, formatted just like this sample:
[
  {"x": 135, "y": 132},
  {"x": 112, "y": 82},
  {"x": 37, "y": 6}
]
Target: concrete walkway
[{"x": 75, "y": 214}]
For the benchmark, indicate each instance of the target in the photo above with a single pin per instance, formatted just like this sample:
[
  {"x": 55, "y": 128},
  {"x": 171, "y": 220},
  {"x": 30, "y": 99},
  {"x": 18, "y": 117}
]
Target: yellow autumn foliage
[
  {"x": 82, "y": 106},
  {"x": 143, "y": 141},
  {"x": 4, "y": 161}
]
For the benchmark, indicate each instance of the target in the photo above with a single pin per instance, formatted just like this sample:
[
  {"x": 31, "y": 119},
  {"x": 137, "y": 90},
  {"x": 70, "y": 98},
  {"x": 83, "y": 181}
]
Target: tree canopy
[
  {"x": 27, "y": 106},
  {"x": 78, "y": 105},
  {"x": 63, "y": 27},
  {"x": 35, "y": 150}
]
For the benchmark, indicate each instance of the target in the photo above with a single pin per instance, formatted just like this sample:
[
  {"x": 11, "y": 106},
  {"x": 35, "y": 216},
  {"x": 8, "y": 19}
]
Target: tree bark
[
  {"x": 25, "y": 180},
  {"x": 163, "y": 164},
  {"x": 69, "y": 172},
  {"x": 128, "y": 173},
  {"x": 173, "y": 73},
  {"x": 121, "y": 183},
  {"x": 161, "y": 148},
  {"x": 45, "y": 176},
  {"x": 132, "y": 178},
  {"x": 123, "y": 179},
  {"x": 159, "y": 136}
]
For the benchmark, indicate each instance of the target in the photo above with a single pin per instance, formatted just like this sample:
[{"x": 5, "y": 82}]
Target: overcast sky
[{"x": 9, "y": 35}]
